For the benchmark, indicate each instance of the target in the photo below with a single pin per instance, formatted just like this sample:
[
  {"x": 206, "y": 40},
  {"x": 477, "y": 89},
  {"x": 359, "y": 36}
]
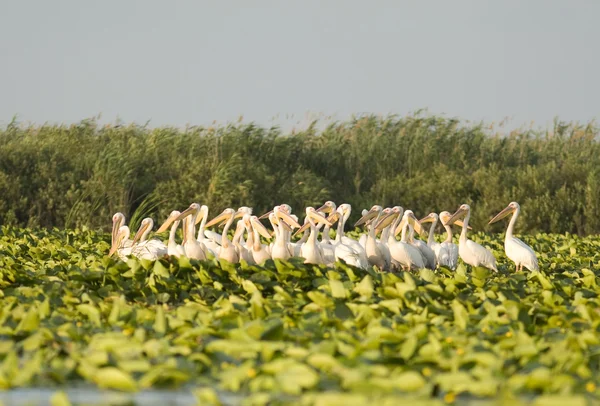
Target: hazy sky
[{"x": 178, "y": 62}]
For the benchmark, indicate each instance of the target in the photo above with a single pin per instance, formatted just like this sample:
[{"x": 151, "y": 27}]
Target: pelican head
[
  {"x": 256, "y": 225},
  {"x": 222, "y": 218},
  {"x": 314, "y": 215},
  {"x": 122, "y": 234},
  {"x": 118, "y": 220},
  {"x": 372, "y": 213},
  {"x": 391, "y": 215},
  {"x": 430, "y": 218},
  {"x": 243, "y": 210},
  {"x": 445, "y": 216},
  {"x": 409, "y": 217},
  {"x": 172, "y": 217},
  {"x": 327, "y": 207},
  {"x": 286, "y": 208},
  {"x": 146, "y": 226},
  {"x": 202, "y": 214},
  {"x": 511, "y": 208},
  {"x": 463, "y": 210},
  {"x": 193, "y": 209},
  {"x": 282, "y": 214}
]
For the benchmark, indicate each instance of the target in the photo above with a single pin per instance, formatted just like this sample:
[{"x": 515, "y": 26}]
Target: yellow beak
[
  {"x": 508, "y": 210},
  {"x": 141, "y": 231},
  {"x": 368, "y": 216},
  {"x": 385, "y": 221},
  {"x": 258, "y": 226},
  {"x": 186, "y": 213},
  {"x": 220, "y": 218}
]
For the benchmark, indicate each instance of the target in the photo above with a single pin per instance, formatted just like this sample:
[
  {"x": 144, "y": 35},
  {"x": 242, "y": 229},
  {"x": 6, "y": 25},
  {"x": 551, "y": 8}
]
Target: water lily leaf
[{"x": 113, "y": 378}]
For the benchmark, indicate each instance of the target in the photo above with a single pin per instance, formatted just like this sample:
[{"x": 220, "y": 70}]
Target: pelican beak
[
  {"x": 203, "y": 213},
  {"x": 258, "y": 226},
  {"x": 186, "y": 213},
  {"x": 455, "y": 216},
  {"x": 239, "y": 214},
  {"x": 115, "y": 231},
  {"x": 426, "y": 219},
  {"x": 417, "y": 226},
  {"x": 508, "y": 210},
  {"x": 166, "y": 224},
  {"x": 319, "y": 218},
  {"x": 115, "y": 245},
  {"x": 185, "y": 228},
  {"x": 141, "y": 231},
  {"x": 265, "y": 215},
  {"x": 302, "y": 229},
  {"x": 325, "y": 209},
  {"x": 385, "y": 221},
  {"x": 220, "y": 218},
  {"x": 334, "y": 217},
  {"x": 400, "y": 227},
  {"x": 367, "y": 216},
  {"x": 288, "y": 219}
]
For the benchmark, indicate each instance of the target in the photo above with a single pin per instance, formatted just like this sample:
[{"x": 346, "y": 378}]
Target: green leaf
[{"x": 113, "y": 378}]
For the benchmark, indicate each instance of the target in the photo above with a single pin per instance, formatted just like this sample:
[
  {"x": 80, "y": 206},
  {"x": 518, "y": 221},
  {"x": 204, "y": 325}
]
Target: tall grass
[{"x": 81, "y": 174}]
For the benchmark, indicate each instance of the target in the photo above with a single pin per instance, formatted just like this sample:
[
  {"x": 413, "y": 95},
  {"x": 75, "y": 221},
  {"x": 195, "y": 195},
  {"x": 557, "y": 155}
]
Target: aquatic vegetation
[{"x": 70, "y": 315}]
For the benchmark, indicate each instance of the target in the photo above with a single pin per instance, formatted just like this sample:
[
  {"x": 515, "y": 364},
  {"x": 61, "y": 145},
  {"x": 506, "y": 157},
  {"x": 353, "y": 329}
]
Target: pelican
[
  {"x": 227, "y": 251},
  {"x": 209, "y": 239},
  {"x": 144, "y": 248},
  {"x": 375, "y": 255},
  {"x": 427, "y": 252},
  {"x": 194, "y": 249},
  {"x": 118, "y": 221},
  {"x": 238, "y": 242},
  {"x": 516, "y": 250},
  {"x": 281, "y": 221},
  {"x": 403, "y": 254},
  {"x": 346, "y": 248},
  {"x": 310, "y": 250},
  {"x": 121, "y": 236},
  {"x": 259, "y": 251},
  {"x": 295, "y": 246},
  {"x": 470, "y": 252},
  {"x": 173, "y": 249},
  {"x": 446, "y": 253}
]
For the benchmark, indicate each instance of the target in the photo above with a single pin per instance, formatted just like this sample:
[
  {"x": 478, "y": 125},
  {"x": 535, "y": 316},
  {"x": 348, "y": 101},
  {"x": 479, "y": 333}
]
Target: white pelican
[
  {"x": 227, "y": 251},
  {"x": 209, "y": 239},
  {"x": 121, "y": 236},
  {"x": 310, "y": 250},
  {"x": 295, "y": 246},
  {"x": 470, "y": 252},
  {"x": 173, "y": 249},
  {"x": 427, "y": 252},
  {"x": 351, "y": 253},
  {"x": 238, "y": 242},
  {"x": 446, "y": 253},
  {"x": 118, "y": 221},
  {"x": 402, "y": 252},
  {"x": 147, "y": 249},
  {"x": 259, "y": 251},
  {"x": 375, "y": 255},
  {"x": 281, "y": 222},
  {"x": 516, "y": 250},
  {"x": 194, "y": 249}
]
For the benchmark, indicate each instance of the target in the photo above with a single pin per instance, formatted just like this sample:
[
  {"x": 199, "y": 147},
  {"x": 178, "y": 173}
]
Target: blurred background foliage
[{"x": 79, "y": 175}]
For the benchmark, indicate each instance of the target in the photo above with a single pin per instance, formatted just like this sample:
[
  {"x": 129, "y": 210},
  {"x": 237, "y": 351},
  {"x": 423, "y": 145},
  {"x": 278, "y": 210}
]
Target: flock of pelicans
[{"x": 377, "y": 247}]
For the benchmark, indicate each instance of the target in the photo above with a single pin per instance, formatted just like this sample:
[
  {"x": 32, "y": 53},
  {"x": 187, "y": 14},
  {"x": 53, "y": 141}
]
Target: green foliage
[
  {"x": 79, "y": 175},
  {"x": 295, "y": 333}
]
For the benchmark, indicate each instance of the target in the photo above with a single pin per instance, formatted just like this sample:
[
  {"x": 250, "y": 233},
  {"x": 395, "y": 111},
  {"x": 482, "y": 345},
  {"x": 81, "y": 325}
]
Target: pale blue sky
[{"x": 178, "y": 62}]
